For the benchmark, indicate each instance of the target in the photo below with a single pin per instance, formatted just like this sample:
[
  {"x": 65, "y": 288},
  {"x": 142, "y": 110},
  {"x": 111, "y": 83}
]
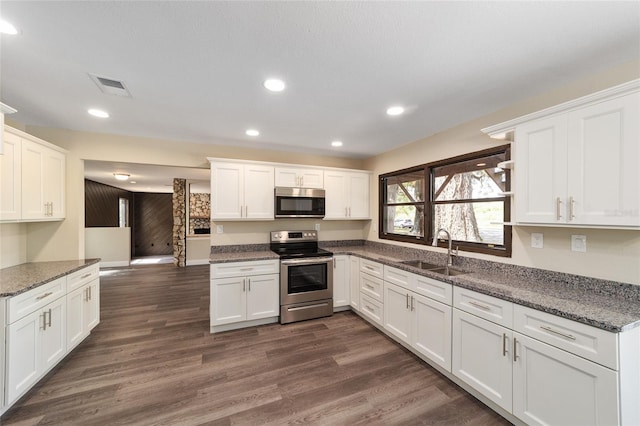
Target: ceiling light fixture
[
  {"x": 252, "y": 132},
  {"x": 274, "y": 85},
  {"x": 133, "y": 181},
  {"x": 395, "y": 110},
  {"x": 336, "y": 143},
  {"x": 481, "y": 164},
  {"x": 98, "y": 113},
  {"x": 121, "y": 176},
  {"x": 7, "y": 28}
]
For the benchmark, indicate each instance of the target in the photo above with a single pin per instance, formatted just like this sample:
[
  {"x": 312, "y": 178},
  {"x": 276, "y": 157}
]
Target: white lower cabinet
[
  {"x": 341, "y": 285},
  {"x": 244, "y": 292},
  {"x": 432, "y": 330},
  {"x": 554, "y": 387},
  {"x": 35, "y": 343},
  {"x": 83, "y": 312},
  {"x": 354, "y": 282}
]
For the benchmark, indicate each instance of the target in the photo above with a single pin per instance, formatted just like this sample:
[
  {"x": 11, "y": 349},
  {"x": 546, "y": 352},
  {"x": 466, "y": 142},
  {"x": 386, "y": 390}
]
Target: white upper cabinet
[
  {"x": 33, "y": 179},
  {"x": 294, "y": 177},
  {"x": 577, "y": 164},
  {"x": 347, "y": 195},
  {"x": 241, "y": 191}
]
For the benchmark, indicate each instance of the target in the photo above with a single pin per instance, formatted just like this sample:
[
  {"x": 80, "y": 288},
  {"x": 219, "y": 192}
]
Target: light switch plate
[
  {"x": 317, "y": 226},
  {"x": 579, "y": 243},
  {"x": 537, "y": 240},
  {"x": 219, "y": 229}
]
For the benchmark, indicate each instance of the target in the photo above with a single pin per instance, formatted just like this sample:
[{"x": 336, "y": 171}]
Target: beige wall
[
  {"x": 611, "y": 254},
  {"x": 112, "y": 245},
  {"x": 13, "y": 244}
]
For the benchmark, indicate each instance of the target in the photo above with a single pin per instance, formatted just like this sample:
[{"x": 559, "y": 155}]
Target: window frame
[{"x": 504, "y": 250}]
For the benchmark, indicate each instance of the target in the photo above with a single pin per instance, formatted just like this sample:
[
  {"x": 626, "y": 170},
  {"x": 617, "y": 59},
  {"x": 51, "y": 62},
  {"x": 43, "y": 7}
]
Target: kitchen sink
[
  {"x": 448, "y": 271},
  {"x": 420, "y": 264}
]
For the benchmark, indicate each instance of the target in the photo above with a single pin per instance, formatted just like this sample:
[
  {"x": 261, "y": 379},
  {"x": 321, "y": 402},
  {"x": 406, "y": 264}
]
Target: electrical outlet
[
  {"x": 537, "y": 240},
  {"x": 579, "y": 243},
  {"x": 219, "y": 229},
  {"x": 317, "y": 226}
]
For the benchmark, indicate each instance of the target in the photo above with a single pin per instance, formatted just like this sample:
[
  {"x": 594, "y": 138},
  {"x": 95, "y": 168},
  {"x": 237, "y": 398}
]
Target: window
[
  {"x": 464, "y": 195},
  {"x": 123, "y": 212}
]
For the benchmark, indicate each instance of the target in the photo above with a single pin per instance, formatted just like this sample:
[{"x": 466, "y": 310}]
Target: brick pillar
[{"x": 179, "y": 222}]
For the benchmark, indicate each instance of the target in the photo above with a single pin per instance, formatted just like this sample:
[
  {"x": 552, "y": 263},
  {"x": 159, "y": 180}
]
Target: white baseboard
[
  {"x": 114, "y": 263},
  {"x": 197, "y": 262}
]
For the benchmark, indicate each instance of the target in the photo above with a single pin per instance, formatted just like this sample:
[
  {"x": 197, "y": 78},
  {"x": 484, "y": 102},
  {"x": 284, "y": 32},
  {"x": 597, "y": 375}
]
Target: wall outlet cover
[
  {"x": 317, "y": 226},
  {"x": 537, "y": 240},
  {"x": 219, "y": 229},
  {"x": 579, "y": 243}
]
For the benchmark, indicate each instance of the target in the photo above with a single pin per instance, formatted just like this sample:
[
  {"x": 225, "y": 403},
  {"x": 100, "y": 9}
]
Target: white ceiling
[{"x": 195, "y": 69}]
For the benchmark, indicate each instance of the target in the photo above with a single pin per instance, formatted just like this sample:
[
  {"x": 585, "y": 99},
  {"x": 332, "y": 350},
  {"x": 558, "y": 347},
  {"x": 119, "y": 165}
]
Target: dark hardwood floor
[{"x": 152, "y": 361}]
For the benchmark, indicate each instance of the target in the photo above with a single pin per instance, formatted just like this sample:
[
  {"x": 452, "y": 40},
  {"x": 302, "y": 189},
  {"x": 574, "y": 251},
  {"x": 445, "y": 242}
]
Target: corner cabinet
[
  {"x": 347, "y": 195},
  {"x": 578, "y": 164},
  {"x": 32, "y": 174},
  {"x": 241, "y": 191}
]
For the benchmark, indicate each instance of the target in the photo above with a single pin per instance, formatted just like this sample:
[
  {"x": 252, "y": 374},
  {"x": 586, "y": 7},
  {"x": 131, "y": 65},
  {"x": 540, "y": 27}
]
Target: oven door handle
[{"x": 307, "y": 261}]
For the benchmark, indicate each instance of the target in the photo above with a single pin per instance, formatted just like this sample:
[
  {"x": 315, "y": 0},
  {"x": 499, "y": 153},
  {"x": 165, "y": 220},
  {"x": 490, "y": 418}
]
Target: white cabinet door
[
  {"x": 54, "y": 342},
  {"x": 23, "y": 349},
  {"x": 604, "y": 154},
  {"x": 33, "y": 201},
  {"x": 263, "y": 296},
  {"x": 92, "y": 305},
  {"x": 553, "y": 387},
  {"x": 228, "y": 300},
  {"x": 11, "y": 178},
  {"x": 432, "y": 330},
  {"x": 76, "y": 330},
  {"x": 482, "y": 357},
  {"x": 354, "y": 282},
  {"x": 296, "y": 177},
  {"x": 540, "y": 153},
  {"x": 335, "y": 185},
  {"x": 341, "y": 287},
  {"x": 54, "y": 183},
  {"x": 227, "y": 191},
  {"x": 312, "y": 178},
  {"x": 397, "y": 311},
  {"x": 358, "y": 196},
  {"x": 258, "y": 192}
]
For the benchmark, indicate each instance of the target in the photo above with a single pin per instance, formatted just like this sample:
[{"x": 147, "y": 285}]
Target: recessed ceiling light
[
  {"x": 252, "y": 132},
  {"x": 336, "y": 143},
  {"x": 121, "y": 176},
  {"x": 98, "y": 113},
  {"x": 395, "y": 110},
  {"x": 274, "y": 84},
  {"x": 7, "y": 28},
  {"x": 481, "y": 164}
]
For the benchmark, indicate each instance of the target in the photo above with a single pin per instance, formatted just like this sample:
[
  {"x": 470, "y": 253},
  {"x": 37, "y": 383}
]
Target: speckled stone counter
[
  {"x": 20, "y": 278},
  {"x": 608, "y": 305}
]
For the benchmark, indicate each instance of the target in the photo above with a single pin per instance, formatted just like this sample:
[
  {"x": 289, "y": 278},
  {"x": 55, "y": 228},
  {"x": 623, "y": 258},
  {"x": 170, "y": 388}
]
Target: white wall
[
  {"x": 112, "y": 245},
  {"x": 611, "y": 254},
  {"x": 198, "y": 250},
  {"x": 13, "y": 244}
]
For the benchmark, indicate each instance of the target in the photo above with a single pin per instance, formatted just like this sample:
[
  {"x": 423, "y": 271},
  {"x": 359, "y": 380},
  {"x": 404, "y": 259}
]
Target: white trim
[
  {"x": 114, "y": 263},
  {"x": 506, "y": 127},
  {"x": 243, "y": 324},
  {"x": 296, "y": 165},
  {"x": 6, "y": 109}
]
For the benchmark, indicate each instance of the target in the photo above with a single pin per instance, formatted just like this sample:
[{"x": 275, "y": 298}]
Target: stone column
[{"x": 179, "y": 222}]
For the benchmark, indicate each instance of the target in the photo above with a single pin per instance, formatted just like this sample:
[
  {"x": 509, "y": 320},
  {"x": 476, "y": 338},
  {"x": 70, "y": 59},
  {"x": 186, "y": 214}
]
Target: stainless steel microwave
[{"x": 299, "y": 202}]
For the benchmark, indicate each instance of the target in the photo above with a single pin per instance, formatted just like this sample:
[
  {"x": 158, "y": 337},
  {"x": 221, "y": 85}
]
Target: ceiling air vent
[{"x": 110, "y": 86}]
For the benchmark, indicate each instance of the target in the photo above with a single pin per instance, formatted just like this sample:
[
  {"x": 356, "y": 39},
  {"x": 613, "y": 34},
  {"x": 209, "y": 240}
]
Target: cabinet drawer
[
  {"x": 81, "y": 277},
  {"x": 434, "y": 289},
  {"x": 371, "y": 308},
  {"x": 371, "y": 286},
  {"x": 580, "y": 339},
  {"x": 371, "y": 268},
  {"x": 399, "y": 277},
  {"x": 25, "y": 303},
  {"x": 243, "y": 269},
  {"x": 490, "y": 308}
]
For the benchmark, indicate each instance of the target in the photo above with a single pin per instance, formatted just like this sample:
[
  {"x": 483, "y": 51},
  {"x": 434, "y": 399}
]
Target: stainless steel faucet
[{"x": 449, "y": 253}]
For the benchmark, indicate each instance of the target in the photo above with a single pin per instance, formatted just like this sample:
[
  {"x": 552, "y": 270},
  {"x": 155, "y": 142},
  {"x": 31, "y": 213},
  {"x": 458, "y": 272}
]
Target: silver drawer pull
[
  {"x": 246, "y": 269},
  {"x": 369, "y": 286},
  {"x": 551, "y": 330},
  {"x": 44, "y": 295},
  {"x": 369, "y": 308},
  {"x": 299, "y": 308},
  {"x": 479, "y": 305},
  {"x": 85, "y": 276}
]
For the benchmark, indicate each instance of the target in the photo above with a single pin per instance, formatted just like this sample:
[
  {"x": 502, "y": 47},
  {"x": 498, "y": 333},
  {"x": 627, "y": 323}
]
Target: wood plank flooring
[{"x": 152, "y": 361}]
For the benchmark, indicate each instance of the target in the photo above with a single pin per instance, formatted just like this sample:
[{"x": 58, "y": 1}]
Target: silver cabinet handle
[
  {"x": 504, "y": 344},
  {"x": 371, "y": 287},
  {"x": 246, "y": 211},
  {"x": 571, "y": 202},
  {"x": 49, "y": 318},
  {"x": 345, "y": 212},
  {"x": 246, "y": 269},
  {"x": 558, "y": 204},
  {"x": 44, "y": 320},
  {"x": 515, "y": 350},
  {"x": 369, "y": 308},
  {"x": 86, "y": 294},
  {"x": 90, "y": 293},
  {"x": 407, "y": 304},
  {"x": 412, "y": 307},
  {"x": 249, "y": 283},
  {"x": 44, "y": 295},
  {"x": 85, "y": 276},
  {"x": 51, "y": 208},
  {"x": 551, "y": 330},
  {"x": 479, "y": 305}
]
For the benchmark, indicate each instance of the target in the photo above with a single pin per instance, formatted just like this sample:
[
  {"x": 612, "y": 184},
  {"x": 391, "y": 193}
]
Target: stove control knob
[{"x": 276, "y": 236}]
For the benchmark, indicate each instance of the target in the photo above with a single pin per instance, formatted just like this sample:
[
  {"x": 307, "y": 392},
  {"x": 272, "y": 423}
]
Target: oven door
[{"x": 306, "y": 280}]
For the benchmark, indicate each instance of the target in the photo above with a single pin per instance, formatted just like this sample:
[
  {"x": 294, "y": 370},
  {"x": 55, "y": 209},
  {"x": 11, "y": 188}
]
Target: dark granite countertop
[
  {"x": 603, "y": 304},
  {"x": 20, "y": 278}
]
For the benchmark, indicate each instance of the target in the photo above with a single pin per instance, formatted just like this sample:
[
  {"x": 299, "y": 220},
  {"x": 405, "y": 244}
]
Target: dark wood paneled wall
[
  {"x": 101, "y": 204},
  {"x": 152, "y": 224}
]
